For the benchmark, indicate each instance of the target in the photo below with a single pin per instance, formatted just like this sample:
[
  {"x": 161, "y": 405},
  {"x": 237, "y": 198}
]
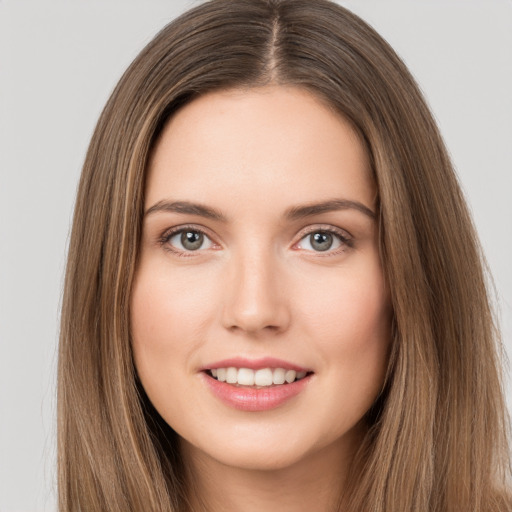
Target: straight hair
[{"x": 437, "y": 437}]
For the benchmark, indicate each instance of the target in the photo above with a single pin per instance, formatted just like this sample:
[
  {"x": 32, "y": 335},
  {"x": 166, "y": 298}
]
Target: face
[{"x": 260, "y": 315}]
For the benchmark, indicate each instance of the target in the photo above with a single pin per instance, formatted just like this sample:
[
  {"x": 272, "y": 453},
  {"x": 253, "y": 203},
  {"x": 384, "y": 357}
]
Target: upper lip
[{"x": 255, "y": 364}]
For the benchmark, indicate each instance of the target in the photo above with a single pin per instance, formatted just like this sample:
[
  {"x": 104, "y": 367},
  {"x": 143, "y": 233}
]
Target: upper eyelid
[
  {"x": 303, "y": 231},
  {"x": 182, "y": 227},
  {"x": 325, "y": 228}
]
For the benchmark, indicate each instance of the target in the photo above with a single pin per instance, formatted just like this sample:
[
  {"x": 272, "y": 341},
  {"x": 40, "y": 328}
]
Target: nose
[{"x": 256, "y": 299}]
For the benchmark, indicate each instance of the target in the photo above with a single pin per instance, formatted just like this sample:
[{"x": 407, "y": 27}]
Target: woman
[{"x": 274, "y": 295}]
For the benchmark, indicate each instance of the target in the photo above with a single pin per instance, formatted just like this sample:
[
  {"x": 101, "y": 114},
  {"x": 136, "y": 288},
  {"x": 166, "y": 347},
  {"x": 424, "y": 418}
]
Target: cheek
[
  {"x": 352, "y": 308},
  {"x": 365, "y": 314},
  {"x": 158, "y": 335},
  {"x": 350, "y": 324},
  {"x": 159, "y": 305},
  {"x": 162, "y": 341}
]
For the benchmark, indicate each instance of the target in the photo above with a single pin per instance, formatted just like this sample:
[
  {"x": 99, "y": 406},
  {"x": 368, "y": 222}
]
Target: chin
[
  {"x": 268, "y": 450},
  {"x": 254, "y": 458}
]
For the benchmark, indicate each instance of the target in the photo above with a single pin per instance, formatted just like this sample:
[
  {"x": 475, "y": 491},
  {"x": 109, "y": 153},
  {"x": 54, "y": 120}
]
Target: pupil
[
  {"x": 321, "y": 241},
  {"x": 191, "y": 240}
]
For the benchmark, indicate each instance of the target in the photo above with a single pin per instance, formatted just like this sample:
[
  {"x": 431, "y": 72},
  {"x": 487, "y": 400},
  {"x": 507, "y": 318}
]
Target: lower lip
[{"x": 255, "y": 399}]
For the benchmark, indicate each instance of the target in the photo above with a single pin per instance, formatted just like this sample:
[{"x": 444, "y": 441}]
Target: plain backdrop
[{"x": 59, "y": 61}]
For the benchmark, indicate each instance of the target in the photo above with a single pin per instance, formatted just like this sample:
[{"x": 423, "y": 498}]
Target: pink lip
[
  {"x": 254, "y": 399},
  {"x": 254, "y": 364}
]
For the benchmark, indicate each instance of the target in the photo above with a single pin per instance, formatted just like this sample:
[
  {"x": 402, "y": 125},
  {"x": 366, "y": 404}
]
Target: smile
[
  {"x": 255, "y": 385},
  {"x": 264, "y": 377}
]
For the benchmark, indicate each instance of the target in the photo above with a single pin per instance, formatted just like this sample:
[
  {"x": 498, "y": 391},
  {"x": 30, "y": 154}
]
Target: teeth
[
  {"x": 231, "y": 375},
  {"x": 279, "y": 376},
  {"x": 290, "y": 376},
  {"x": 261, "y": 378},
  {"x": 246, "y": 377}
]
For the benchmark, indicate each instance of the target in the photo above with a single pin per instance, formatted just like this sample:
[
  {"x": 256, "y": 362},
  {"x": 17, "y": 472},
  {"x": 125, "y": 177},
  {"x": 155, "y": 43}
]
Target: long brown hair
[{"x": 437, "y": 437}]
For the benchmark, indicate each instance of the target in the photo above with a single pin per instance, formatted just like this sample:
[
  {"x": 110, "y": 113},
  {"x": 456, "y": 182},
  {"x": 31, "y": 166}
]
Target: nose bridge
[{"x": 254, "y": 299}]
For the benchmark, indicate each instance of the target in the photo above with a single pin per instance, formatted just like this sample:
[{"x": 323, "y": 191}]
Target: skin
[{"x": 258, "y": 288}]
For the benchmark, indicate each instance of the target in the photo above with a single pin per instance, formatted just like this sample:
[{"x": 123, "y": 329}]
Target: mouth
[
  {"x": 256, "y": 379},
  {"x": 256, "y": 385}
]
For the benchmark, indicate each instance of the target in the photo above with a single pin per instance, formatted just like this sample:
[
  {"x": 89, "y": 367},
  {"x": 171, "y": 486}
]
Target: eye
[
  {"x": 188, "y": 240},
  {"x": 323, "y": 240}
]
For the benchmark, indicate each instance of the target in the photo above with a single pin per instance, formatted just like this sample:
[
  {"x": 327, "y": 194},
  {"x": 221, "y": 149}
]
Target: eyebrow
[
  {"x": 299, "y": 212},
  {"x": 186, "y": 207},
  {"x": 293, "y": 213}
]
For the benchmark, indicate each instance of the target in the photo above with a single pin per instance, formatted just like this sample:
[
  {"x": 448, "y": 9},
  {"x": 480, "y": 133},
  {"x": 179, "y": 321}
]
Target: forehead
[{"x": 268, "y": 140}]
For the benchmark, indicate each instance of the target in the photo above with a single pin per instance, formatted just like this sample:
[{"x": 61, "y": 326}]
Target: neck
[{"x": 316, "y": 483}]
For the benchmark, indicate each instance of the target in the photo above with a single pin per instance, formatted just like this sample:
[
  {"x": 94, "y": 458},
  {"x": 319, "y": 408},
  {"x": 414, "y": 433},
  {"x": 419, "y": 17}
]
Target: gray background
[{"x": 59, "y": 60}]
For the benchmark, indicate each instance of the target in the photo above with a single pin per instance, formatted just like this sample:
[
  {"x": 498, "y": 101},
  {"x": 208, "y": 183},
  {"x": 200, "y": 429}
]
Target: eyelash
[
  {"x": 168, "y": 234},
  {"x": 345, "y": 239}
]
